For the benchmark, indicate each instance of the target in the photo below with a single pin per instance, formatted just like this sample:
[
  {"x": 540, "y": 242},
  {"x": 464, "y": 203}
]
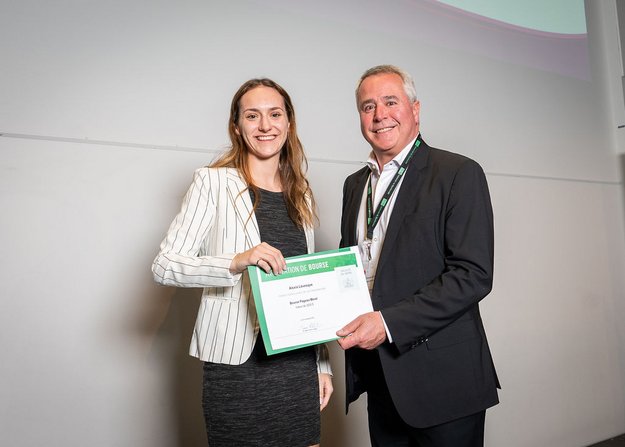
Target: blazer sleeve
[
  {"x": 467, "y": 259},
  {"x": 180, "y": 262},
  {"x": 323, "y": 360}
]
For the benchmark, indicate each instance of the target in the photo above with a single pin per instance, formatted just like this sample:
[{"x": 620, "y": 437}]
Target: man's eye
[{"x": 367, "y": 108}]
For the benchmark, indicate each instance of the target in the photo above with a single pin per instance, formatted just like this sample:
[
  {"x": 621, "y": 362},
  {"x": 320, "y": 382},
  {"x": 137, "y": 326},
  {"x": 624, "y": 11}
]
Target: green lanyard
[{"x": 374, "y": 218}]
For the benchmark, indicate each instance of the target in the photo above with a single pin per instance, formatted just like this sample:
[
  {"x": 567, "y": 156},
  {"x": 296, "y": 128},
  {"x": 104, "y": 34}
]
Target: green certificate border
[{"x": 344, "y": 256}]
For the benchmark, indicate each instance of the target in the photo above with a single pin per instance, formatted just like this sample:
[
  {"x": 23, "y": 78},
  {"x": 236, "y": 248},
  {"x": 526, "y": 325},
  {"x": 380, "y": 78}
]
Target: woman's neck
[{"x": 265, "y": 174}]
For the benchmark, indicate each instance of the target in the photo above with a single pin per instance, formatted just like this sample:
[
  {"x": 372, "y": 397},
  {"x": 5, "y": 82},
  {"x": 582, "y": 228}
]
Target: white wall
[{"x": 106, "y": 108}]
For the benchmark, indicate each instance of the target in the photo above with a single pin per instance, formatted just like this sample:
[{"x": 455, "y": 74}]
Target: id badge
[{"x": 365, "y": 253}]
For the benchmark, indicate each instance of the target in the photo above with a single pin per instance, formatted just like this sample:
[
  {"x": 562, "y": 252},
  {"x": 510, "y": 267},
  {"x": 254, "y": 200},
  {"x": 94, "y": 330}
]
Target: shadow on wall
[
  {"x": 622, "y": 164},
  {"x": 183, "y": 393}
]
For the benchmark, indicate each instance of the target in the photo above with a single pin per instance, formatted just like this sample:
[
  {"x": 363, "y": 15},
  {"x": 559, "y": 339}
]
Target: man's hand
[{"x": 366, "y": 332}]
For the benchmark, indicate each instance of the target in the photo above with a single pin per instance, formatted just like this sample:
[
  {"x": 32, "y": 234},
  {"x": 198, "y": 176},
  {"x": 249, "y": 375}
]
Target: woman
[{"x": 253, "y": 206}]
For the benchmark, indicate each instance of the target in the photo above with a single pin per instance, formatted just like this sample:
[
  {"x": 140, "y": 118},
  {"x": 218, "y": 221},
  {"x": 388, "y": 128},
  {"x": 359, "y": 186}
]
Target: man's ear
[{"x": 416, "y": 108}]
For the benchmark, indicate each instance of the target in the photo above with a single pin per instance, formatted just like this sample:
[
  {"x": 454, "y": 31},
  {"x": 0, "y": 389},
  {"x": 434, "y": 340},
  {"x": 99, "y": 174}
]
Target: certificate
[{"x": 314, "y": 297}]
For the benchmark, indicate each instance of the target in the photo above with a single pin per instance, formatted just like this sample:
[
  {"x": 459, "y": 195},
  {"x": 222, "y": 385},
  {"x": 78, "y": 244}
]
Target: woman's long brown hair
[{"x": 292, "y": 167}]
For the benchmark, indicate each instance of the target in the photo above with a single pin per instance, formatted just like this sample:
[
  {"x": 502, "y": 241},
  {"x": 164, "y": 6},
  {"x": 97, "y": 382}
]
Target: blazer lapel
[
  {"x": 239, "y": 197},
  {"x": 407, "y": 195},
  {"x": 352, "y": 206}
]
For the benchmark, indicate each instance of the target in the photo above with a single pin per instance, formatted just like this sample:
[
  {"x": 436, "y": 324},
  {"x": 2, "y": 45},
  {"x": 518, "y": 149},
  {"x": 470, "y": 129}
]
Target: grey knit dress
[{"x": 270, "y": 401}]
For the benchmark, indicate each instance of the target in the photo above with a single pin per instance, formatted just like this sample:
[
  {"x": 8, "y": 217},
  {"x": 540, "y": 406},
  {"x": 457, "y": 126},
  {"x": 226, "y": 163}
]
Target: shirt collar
[{"x": 372, "y": 162}]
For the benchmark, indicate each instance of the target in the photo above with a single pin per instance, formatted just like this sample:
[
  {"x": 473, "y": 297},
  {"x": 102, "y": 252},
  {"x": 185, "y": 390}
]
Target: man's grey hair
[{"x": 407, "y": 80}]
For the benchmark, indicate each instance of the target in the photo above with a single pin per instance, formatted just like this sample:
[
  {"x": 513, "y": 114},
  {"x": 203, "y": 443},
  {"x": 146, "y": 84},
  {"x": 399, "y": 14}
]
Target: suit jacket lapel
[
  {"x": 407, "y": 195},
  {"x": 352, "y": 206},
  {"x": 240, "y": 199}
]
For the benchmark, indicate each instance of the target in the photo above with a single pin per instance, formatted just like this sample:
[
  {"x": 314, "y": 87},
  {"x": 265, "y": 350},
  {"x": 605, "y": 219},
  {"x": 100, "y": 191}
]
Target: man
[{"x": 422, "y": 218}]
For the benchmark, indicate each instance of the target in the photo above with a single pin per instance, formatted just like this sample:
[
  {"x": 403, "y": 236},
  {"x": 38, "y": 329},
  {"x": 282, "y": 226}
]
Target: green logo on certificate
[{"x": 311, "y": 267}]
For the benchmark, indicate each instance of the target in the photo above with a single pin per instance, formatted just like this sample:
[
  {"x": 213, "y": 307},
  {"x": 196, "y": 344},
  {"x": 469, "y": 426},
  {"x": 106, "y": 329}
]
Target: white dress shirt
[{"x": 379, "y": 183}]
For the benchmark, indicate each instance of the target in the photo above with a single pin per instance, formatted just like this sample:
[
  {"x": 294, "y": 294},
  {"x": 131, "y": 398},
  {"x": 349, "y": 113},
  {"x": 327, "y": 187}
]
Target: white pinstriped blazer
[{"x": 214, "y": 224}]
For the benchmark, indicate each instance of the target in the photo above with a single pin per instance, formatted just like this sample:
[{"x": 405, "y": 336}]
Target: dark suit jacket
[{"x": 436, "y": 264}]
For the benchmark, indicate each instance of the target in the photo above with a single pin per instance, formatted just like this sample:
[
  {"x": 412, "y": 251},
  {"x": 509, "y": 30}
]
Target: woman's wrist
[{"x": 234, "y": 265}]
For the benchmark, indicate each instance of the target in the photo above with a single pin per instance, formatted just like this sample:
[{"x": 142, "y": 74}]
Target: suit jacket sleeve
[
  {"x": 463, "y": 232},
  {"x": 181, "y": 261},
  {"x": 343, "y": 242}
]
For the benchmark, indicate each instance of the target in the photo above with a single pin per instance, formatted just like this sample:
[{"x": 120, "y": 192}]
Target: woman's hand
[
  {"x": 325, "y": 390},
  {"x": 265, "y": 256}
]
